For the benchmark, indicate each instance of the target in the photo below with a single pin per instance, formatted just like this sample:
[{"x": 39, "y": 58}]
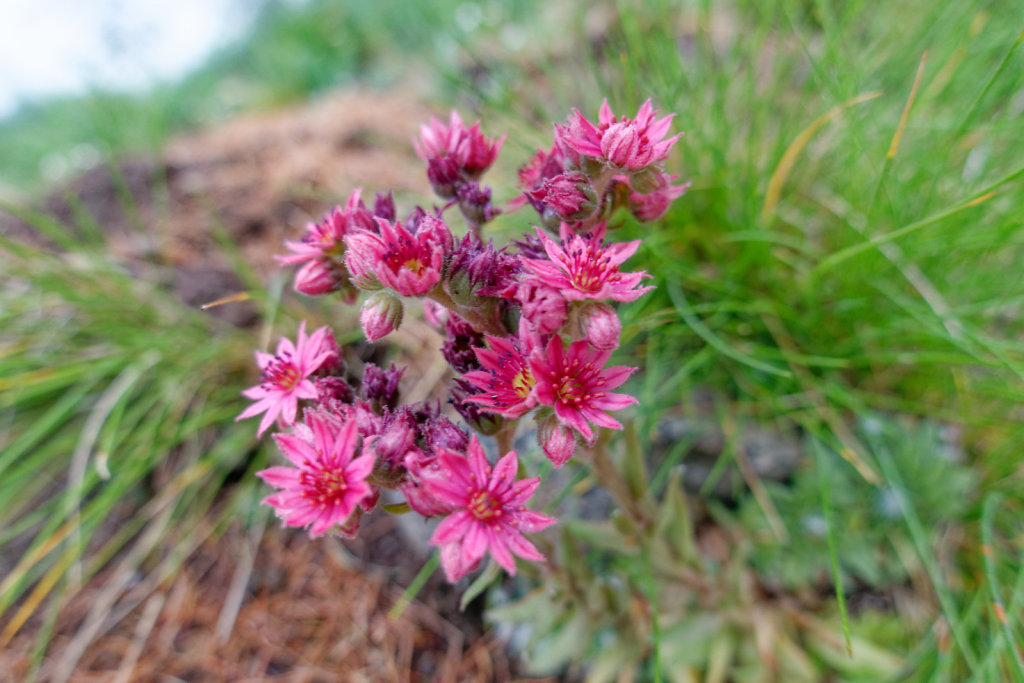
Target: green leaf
[
  {"x": 480, "y": 584},
  {"x": 674, "y": 522},
  {"x": 634, "y": 468}
]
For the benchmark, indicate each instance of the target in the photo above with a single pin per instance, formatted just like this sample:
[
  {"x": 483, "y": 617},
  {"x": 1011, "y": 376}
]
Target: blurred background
[{"x": 827, "y": 441}]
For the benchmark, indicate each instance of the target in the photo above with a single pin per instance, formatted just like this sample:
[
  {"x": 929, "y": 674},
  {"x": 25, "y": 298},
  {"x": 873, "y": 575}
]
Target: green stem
[
  {"x": 471, "y": 315},
  {"x": 505, "y": 437},
  {"x": 609, "y": 477}
]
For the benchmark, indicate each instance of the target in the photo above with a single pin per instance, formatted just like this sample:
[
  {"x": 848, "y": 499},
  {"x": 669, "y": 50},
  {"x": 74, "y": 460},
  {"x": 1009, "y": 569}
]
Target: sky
[{"x": 50, "y": 47}]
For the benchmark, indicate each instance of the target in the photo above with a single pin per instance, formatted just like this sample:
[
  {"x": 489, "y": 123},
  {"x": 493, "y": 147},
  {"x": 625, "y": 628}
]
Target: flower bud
[
  {"x": 460, "y": 288},
  {"x": 475, "y": 203},
  {"x": 485, "y": 422},
  {"x": 444, "y": 175},
  {"x": 653, "y": 204},
  {"x": 421, "y": 471},
  {"x": 600, "y": 325},
  {"x": 647, "y": 179},
  {"x": 543, "y": 308},
  {"x": 330, "y": 389},
  {"x": 570, "y": 195},
  {"x": 558, "y": 441},
  {"x": 384, "y": 207},
  {"x": 320, "y": 276},
  {"x": 550, "y": 219},
  {"x": 381, "y": 315},
  {"x": 381, "y": 385}
]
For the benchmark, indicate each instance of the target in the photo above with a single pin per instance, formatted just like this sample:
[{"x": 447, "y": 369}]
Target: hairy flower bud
[
  {"x": 458, "y": 347},
  {"x": 484, "y": 422},
  {"x": 384, "y": 206},
  {"x": 381, "y": 315},
  {"x": 557, "y": 441},
  {"x": 380, "y": 385},
  {"x": 599, "y": 324},
  {"x": 653, "y": 204},
  {"x": 475, "y": 203},
  {"x": 543, "y": 308},
  {"x": 444, "y": 176},
  {"x": 570, "y": 195},
  {"x": 320, "y": 276},
  {"x": 333, "y": 389}
]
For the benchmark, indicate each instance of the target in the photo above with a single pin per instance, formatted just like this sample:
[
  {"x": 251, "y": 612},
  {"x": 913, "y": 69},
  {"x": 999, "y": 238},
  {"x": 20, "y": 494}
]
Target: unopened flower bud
[
  {"x": 475, "y": 203},
  {"x": 646, "y": 180},
  {"x": 600, "y": 325},
  {"x": 318, "y": 277},
  {"x": 550, "y": 219},
  {"x": 330, "y": 389},
  {"x": 460, "y": 287},
  {"x": 384, "y": 206},
  {"x": 486, "y": 423},
  {"x": 653, "y": 203},
  {"x": 381, "y": 315},
  {"x": 558, "y": 441},
  {"x": 543, "y": 308},
  {"x": 570, "y": 195},
  {"x": 381, "y": 385},
  {"x": 444, "y": 175}
]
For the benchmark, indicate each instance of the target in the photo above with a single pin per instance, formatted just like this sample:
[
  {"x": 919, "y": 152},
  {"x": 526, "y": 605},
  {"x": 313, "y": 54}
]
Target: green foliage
[
  {"x": 868, "y": 521},
  {"x": 842, "y": 256},
  {"x": 638, "y": 593},
  {"x": 117, "y": 432}
]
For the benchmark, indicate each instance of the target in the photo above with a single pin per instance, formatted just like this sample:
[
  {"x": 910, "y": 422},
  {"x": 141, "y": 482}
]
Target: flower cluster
[{"x": 529, "y": 328}]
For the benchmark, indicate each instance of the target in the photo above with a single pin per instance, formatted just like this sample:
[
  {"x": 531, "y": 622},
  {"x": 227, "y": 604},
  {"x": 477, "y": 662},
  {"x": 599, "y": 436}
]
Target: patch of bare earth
[
  {"x": 295, "y": 609},
  {"x": 311, "y": 612}
]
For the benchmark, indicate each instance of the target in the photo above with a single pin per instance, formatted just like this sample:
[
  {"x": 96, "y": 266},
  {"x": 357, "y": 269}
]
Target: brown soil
[
  {"x": 252, "y": 183},
  {"x": 311, "y": 610}
]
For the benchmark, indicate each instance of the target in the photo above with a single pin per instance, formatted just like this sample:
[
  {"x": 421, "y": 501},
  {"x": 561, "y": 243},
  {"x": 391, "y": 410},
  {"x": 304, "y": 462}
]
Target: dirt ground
[{"x": 293, "y": 610}]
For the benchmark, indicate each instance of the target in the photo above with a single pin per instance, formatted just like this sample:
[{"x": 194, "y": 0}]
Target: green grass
[
  {"x": 115, "y": 397},
  {"x": 845, "y": 250}
]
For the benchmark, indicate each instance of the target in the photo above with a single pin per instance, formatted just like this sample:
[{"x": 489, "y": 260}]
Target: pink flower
[
  {"x": 582, "y": 268},
  {"x": 321, "y": 251},
  {"x": 489, "y": 512},
  {"x": 408, "y": 263},
  {"x": 396, "y": 438},
  {"x": 576, "y": 383},
  {"x": 323, "y": 276},
  {"x": 437, "y": 139},
  {"x": 623, "y": 143},
  {"x": 653, "y": 205},
  {"x": 326, "y": 485},
  {"x": 468, "y": 146},
  {"x": 506, "y": 379},
  {"x": 286, "y": 376}
]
